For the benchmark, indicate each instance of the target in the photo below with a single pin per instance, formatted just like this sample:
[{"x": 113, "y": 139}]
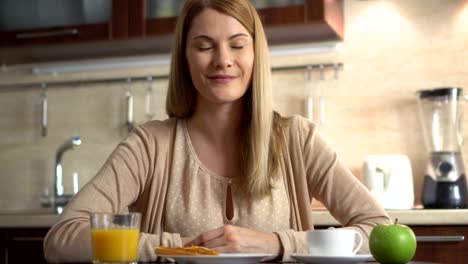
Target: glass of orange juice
[{"x": 115, "y": 237}]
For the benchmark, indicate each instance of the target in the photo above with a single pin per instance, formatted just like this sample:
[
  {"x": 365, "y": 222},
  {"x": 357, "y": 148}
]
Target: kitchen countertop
[
  {"x": 409, "y": 217},
  {"x": 321, "y": 218},
  {"x": 27, "y": 220}
]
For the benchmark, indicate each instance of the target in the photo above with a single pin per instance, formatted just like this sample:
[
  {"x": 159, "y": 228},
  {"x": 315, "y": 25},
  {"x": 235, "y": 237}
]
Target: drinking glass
[{"x": 115, "y": 237}]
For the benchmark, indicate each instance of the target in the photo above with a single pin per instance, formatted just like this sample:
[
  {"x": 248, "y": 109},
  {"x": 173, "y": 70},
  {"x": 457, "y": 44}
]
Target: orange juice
[{"x": 115, "y": 245}]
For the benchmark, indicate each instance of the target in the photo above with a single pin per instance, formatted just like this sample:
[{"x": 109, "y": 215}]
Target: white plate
[
  {"x": 306, "y": 258},
  {"x": 234, "y": 258}
]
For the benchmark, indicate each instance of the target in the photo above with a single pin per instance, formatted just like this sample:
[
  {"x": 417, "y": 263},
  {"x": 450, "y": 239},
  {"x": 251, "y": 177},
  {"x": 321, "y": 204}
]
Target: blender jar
[{"x": 441, "y": 113}]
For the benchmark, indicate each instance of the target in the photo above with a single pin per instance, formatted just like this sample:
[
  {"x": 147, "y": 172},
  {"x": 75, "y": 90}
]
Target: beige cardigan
[{"x": 137, "y": 174}]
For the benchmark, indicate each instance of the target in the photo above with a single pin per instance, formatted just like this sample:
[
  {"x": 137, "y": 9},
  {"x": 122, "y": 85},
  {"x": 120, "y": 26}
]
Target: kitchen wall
[{"x": 391, "y": 50}]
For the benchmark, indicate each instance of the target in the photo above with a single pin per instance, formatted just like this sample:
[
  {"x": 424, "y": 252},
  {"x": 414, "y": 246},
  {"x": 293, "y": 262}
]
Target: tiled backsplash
[{"x": 391, "y": 50}]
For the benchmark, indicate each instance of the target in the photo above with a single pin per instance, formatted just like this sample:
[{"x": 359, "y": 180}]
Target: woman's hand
[{"x": 233, "y": 239}]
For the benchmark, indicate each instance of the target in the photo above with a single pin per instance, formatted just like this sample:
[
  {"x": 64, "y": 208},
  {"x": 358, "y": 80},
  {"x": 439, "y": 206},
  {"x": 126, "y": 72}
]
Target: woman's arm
[
  {"x": 332, "y": 183},
  {"x": 313, "y": 170},
  {"x": 120, "y": 184}
]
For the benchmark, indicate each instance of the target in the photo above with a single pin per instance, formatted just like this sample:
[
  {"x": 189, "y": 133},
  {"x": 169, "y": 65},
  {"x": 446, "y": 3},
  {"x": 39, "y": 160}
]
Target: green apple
[{"x": 392, "y": 244}]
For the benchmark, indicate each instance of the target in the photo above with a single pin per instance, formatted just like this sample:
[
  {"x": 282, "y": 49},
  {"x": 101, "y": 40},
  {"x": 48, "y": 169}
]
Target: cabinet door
[
  {"x": 61, "y": 21},
  {"x": 25, "y": 245},
  {"x": 302, "y": 20},
  {"x": 160, "y": 16},
  {"x": 441, "y": 251},
  {"x": 285, "y": 21},
  {"x": 424, "y": 250},
  {"x": 3, "y": 246}
]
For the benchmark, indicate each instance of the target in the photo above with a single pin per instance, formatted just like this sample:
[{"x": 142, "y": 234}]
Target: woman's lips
[{"x": 221, "y": 79}]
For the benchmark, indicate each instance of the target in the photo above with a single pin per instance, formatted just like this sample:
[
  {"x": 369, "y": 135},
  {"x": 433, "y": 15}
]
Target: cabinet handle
[
  {"x": 440, "y": 238},
  {"x": 27, "y": 238},
  {"x": 62, "y": 32}
]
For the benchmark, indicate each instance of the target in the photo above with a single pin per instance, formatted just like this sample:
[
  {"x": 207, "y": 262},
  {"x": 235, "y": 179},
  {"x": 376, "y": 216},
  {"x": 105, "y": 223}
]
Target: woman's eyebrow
[
  {"x": 230, "y": 38},
  {"x": 238, "y": 35}
]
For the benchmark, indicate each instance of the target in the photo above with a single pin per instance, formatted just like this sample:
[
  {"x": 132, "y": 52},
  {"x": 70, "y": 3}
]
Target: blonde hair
[{"x": 261, "y": 147}]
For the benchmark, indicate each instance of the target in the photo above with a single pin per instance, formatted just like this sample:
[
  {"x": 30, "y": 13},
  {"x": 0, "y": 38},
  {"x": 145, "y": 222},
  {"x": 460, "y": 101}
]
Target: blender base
[{"x": 444, "y": 195}]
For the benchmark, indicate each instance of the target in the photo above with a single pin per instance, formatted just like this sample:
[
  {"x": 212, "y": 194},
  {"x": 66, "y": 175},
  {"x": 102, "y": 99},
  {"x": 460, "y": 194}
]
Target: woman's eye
[
  {"x": 203, "y": 48},
  {"x": 237, "y": 46}
]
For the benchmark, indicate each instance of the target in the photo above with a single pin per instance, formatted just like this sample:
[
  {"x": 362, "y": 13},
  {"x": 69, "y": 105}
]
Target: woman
[{"x": 225, "y": 171}]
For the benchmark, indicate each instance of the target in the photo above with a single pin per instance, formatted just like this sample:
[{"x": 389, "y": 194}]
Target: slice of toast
[{"x": 192, "y": 250}]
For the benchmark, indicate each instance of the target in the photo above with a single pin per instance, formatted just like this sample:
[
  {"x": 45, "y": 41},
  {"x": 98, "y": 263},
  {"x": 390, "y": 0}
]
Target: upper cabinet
[
  {"x": 32, "y": 22},
  {"x": 302, "y": 20},
  {"x": 285, "y": 21},
  {"x": 48, "y": 30}
]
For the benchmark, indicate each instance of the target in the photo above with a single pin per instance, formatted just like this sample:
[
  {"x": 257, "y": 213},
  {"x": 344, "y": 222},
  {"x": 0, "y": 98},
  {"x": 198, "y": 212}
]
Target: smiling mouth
[{"x": 221, "y": 78}]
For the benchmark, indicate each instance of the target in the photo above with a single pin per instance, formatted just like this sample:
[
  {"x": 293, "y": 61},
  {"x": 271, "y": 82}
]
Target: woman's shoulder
[
  {"x": 160, "y": 126},
  {"x": 296, "y": 124},
  {"x": 156, "y": 130}
]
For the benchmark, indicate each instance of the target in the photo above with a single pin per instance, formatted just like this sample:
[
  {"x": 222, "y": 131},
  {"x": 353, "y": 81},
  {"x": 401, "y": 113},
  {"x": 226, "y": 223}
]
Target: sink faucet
[{"x": 60, "y": 199}]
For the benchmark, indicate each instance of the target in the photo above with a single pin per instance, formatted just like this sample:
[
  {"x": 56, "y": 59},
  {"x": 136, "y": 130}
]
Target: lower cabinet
[
  {"x": 22, "y": 245},
  {"x": 442, "y": 244},
  {"x": 438, "y": 244},
  {"x": 3, "y": 248}
]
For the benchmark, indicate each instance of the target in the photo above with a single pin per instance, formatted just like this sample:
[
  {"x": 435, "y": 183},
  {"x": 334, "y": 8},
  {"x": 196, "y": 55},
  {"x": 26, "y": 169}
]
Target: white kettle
[{"x": 390, "y": 180}]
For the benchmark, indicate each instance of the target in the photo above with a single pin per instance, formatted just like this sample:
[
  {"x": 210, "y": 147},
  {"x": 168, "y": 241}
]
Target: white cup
[{"x": 333, "y": 242}]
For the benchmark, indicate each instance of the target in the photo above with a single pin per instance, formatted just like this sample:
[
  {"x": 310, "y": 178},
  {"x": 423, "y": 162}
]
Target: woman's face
[{"x": 220, "y": 55}]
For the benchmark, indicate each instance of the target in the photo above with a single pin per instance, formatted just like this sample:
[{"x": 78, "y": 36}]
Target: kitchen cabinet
[
  {"x": 14, "y": 242},
  {"x": 285, "y": 21},
  {"x": 452, "y": 252},
  {"x": 443, "y": 246},
  {"x": 3, "y": 248},
  {"x": 22, "y": 245},
  {"x": 111, "y": 28},
  {"x": 26, "y": 22}
]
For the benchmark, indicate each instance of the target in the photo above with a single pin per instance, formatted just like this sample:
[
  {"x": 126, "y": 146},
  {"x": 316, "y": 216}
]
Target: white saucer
[
  {"x": 221, "y": 258},
  {"x": 306, "y": 258}
]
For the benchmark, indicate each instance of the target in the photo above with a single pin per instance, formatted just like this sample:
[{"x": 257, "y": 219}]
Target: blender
[{"x": 441, "y": 112}]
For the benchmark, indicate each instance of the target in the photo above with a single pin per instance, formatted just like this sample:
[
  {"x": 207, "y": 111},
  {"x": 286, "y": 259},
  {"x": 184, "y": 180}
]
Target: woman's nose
[{"x": 223, "y": 58}]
